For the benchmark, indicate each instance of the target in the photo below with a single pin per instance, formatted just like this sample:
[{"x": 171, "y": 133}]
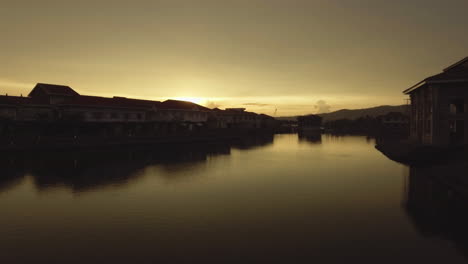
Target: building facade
[
  {"x": 438, "y": 113},
  {"x": 57, "y": 111}
]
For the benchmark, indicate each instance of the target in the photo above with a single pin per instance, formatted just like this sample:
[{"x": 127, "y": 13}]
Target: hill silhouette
[{"x": 357, "y": 113}]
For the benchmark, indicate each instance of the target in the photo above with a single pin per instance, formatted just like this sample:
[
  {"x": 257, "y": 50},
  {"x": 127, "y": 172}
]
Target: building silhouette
[
  {"x": 58, "y": 115},
  {"x": 438, "y": 114},
  {"x": 309, "y": 125}
]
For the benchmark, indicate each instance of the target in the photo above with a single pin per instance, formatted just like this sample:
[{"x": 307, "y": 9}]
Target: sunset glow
[
  {"x": 234, "y": 131},
  {"x": 197, "y": 100},
  {"x": 273, "y": 51}
]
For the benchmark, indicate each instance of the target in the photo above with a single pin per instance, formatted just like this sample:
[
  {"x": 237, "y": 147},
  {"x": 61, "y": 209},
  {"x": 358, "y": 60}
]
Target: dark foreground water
[{"x": 259, "y": 200}]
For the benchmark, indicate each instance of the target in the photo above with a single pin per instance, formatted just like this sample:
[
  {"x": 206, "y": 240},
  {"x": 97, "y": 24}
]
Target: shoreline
[{"x": 404, "y": 152}]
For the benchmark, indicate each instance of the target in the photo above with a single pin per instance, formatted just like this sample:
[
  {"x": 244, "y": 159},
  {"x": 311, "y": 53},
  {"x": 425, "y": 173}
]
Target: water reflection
[
  {"x": 312, "y": 139},
  {"x": 90, "y": 169},
  {"x": 249, "y": 201},
  {"x": 9, "y": 177},
  {"x": 437, "y": 202}
]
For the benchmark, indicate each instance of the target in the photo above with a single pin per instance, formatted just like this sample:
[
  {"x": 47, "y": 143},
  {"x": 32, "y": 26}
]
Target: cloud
[{"x": 322, "y": 107}]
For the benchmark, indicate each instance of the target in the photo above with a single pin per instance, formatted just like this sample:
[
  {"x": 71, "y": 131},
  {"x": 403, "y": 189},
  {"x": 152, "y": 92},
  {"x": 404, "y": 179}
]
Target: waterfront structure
[
  {"x": 438, "y": 115},
  {"x": 56, "y": 112},
  {"x": 309, "y": 124}
]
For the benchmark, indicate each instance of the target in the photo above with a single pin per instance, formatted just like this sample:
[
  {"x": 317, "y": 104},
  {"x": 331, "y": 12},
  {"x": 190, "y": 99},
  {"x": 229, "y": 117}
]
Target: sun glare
[{"x": 197, "y": 100}]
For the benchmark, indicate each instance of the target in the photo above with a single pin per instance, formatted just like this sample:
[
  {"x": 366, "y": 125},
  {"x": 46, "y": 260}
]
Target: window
[
  {"x": 457, "y": 106},
  {"x": 453, "y": 126},
  {"x": 457, "y": 131}
]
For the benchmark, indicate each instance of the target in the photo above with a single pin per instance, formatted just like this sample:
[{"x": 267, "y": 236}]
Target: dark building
[
  {"x": 438, "y": 114},
  {"x": 309, "y": 124},
  {"x": 57, "y": 111}
]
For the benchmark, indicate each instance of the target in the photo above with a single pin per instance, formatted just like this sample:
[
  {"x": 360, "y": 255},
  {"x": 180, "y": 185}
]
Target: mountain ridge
[{"x": 356, "y": 113}]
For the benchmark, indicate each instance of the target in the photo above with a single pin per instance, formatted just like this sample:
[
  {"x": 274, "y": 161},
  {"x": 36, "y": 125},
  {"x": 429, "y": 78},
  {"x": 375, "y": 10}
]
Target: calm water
[{"x": 265, "y": 199}]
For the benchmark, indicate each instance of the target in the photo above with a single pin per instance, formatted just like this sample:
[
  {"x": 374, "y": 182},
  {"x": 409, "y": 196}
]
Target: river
[{"x": 260, "y": 200}]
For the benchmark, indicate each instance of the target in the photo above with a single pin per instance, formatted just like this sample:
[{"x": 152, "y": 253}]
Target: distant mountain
[{"x": 356, "y": 113}]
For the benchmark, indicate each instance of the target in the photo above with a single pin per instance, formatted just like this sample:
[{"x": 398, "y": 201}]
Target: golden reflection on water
[{"x": 280, "y": 198}]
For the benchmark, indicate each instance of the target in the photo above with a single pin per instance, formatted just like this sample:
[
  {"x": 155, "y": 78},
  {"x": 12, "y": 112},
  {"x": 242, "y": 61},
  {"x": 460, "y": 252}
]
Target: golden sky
[{"x": 296, "y": 56}]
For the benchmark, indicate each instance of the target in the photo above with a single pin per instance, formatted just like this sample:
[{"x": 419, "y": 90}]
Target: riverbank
[{"x": 404, "y": 152}]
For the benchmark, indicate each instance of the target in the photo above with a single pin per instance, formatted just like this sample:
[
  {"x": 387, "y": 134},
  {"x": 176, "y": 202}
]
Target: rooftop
[
  {"x": 457, "y": 72},
  {"x": 14, "y": 100},
  {"x": 54, "y": 89},
  {"x": 41, "y": 92}
]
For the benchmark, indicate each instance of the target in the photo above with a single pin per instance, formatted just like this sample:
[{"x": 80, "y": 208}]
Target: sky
[{"x": 279, "y": 57}]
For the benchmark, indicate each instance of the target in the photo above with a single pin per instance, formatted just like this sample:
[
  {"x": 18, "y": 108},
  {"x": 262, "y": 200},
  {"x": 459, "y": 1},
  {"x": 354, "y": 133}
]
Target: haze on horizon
[{"x": 297, "y": 56}]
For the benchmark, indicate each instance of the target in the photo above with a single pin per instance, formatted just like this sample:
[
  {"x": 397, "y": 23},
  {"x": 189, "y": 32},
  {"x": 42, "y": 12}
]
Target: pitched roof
[
  {"x": 463, "y": 62},
  {"x": 182, "y": 105},
  {"x": 14, "y": 100},
  {"x": 267, "y": 116},
  {"x": 54, "y": 89},
  {"x": 136, "y": 102},
  {"x": 457, "y": 72},
  {"x": 116, "y": 102}
]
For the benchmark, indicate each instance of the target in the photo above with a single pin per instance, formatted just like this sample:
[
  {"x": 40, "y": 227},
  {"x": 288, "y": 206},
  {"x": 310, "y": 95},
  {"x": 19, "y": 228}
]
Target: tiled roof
[
  {"x": 86, "y": 100},
  {"x": 450, "y": 75},
  {"x": 72, "y": 98},
  {"x": 457, "y": 72},
  {"x": 266, "y": 116},
  {"x": 184, "y": 105},
  {"x": 463, "y": 63},
  {"x": 54, "y": 89}
]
